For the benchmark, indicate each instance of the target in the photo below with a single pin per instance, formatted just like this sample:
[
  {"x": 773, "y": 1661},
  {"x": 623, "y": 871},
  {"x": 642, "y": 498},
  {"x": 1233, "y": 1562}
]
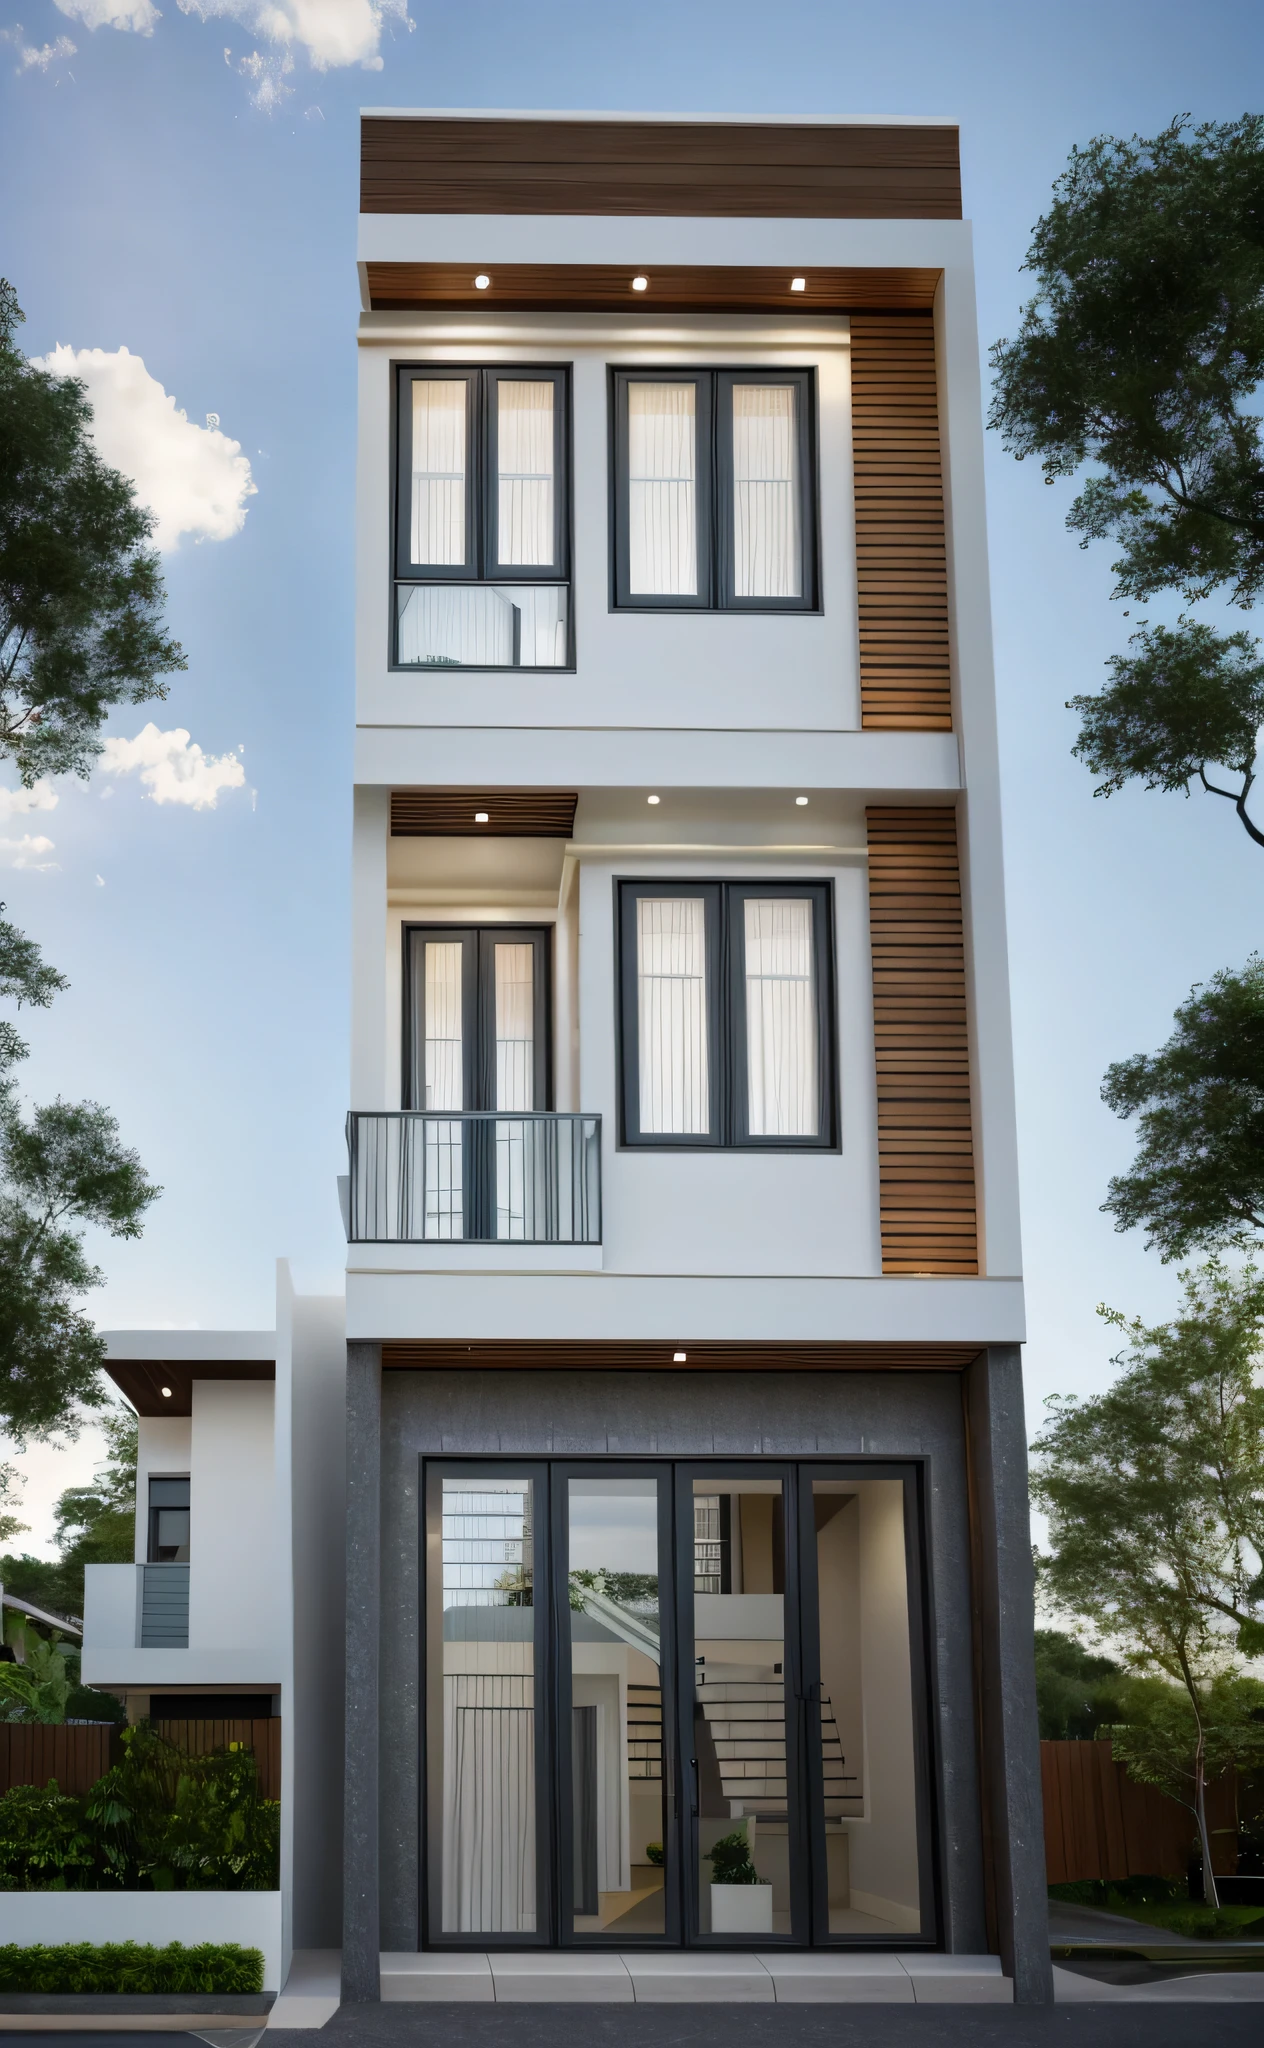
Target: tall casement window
[
  {"x": 482, "y": 518},
  {"x": 727, "y": 1014},
  {"x": 714, "y": 490}
]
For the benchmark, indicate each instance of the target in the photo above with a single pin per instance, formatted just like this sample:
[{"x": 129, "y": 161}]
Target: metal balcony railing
[{"x": 432, "y": 1177}]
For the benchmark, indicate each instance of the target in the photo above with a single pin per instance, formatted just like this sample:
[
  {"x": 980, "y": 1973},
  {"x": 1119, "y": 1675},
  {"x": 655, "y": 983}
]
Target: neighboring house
[{"x": 684, "y": 1437}]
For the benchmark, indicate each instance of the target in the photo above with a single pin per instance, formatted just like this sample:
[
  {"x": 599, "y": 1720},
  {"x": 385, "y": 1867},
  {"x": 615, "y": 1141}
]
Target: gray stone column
[
  {"x": 1005, "y": 1619},
  {"x": 361, "y": 1944}
]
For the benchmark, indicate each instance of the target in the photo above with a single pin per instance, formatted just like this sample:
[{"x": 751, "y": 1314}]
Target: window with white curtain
[
  {"x": 714, "y": 489},
  {"x": 482, "y": 568},
  {"x": 727, "y": 1004}
]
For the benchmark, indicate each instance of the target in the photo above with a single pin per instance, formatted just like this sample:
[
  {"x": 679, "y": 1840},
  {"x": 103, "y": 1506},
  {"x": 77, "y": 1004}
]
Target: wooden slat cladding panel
[
  {"x": 591, "y": 287},
  {"x": 666, "y": 168},
  {"x": 901, "y": 563},
  {"x": 925, "y": 1145},
  {"x": 511, "y": 814},
  {"x": 543, "y": 1355}
]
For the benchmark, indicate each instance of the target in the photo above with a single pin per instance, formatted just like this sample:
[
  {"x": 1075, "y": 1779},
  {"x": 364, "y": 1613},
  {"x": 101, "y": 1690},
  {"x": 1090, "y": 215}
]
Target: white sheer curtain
[
  {"x": 488, "y": 1803},
  {"x": 672, "y": 1014},
  {"x": 662, "y": 494},
  {"x": 515, "y": 1027},
  {"x": 767, "y": 550},
  {"x": 524, "y": 459},
  {"x": 781, "y": 1050},
  {"x": 443, "y": 1152},
  {"x": 439, "y": 444}
]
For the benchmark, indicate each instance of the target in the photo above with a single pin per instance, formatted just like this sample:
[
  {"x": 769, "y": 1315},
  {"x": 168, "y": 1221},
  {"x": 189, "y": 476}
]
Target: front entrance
[{"x": 676, "y": 1703}]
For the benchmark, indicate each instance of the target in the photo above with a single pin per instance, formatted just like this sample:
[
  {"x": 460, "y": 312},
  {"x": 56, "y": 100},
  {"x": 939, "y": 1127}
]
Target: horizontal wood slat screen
[
  {"x": 680, "y": 288},
  {"x": 511, "y": 814},
  {"x": 77, "y": 1754},
  {"x": 901, "y": 563},
  {"x": 1099, "y": 1824},
  {"x": 925, "y": 1144},
  {"x": 438, "y": 1355},
  {"x": 763, "y": 170}
]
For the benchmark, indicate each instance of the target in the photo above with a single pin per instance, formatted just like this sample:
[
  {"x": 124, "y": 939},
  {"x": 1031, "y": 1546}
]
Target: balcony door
[
  {"x": 476, "y": 1044},
  {"x": 675, "y": 1704}
]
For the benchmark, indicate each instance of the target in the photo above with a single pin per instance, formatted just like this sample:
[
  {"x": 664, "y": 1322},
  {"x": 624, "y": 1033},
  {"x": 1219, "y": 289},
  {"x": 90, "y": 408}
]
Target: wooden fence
[
  {"x": 1099, "y": 1824},
  {"x": 77, "y": 1756}
]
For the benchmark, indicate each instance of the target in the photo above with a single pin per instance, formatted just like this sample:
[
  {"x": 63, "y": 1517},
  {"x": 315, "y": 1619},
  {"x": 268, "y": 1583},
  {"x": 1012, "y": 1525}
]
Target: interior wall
[
  {"x": 676, "y": 1415},
  {"x": 884, "y": 1848}
]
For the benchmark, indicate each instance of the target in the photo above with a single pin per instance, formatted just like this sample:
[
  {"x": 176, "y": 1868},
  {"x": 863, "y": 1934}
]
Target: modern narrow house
[
  {"x": 688, "y": 1574},
  {"x": 688, "y": 1607}
]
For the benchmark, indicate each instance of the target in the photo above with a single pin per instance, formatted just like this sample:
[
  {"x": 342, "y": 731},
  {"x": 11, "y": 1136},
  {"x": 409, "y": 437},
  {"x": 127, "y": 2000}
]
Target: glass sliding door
[
  {"x": 484, "y": 1701},
  {"x": 615, "y": 1848}
]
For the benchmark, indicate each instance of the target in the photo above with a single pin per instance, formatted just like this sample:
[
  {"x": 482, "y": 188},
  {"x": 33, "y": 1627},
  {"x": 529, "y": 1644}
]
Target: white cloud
[
  {"x": 173, "y": 767},
  {"x": 25, "y": 852},
  {"x": 194, "y": 479},
  {"x": 139, "y": 15},
  {"x": 18, "y": 803},
  {"x": 31, "y": 59},
  {"x": 333, "y": 33}
]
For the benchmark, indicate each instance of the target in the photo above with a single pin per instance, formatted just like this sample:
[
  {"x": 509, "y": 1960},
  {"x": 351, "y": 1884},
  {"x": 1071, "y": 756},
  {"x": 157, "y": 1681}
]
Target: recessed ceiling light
[
  {"x": 480, "y": 817},
  {"x": 798, "y": 284},
  {"x": 679, "y": 1357},
  {"x": 166, "y": 1393},
  {"x": 640, "y": 284},
  {"x": 482, "y": 281},
  {"x": 652, "y": 799},
  {"x": 800, "y": 800}
]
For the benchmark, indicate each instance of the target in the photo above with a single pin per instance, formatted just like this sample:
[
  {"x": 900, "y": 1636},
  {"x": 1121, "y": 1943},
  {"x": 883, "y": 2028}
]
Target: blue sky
[{"x": 189, "y": 193}]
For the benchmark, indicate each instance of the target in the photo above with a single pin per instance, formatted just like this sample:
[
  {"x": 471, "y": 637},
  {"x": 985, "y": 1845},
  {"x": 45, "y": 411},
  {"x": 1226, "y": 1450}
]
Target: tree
[
  {"x": 37, "y": 1687},
  {"x": 1168, "y": 1742},
  {"x": 1077, "y": 1693},
  {"x": 1197, "y": 1182},
  {"x": 1155, "y": 1497},
  {"x": 80, "y": 592},
  {"x": 1141, "y": 354}
]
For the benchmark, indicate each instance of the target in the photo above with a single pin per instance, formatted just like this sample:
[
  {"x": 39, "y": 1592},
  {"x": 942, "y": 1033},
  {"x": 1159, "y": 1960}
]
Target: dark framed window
[
  {"x": 168, "y": 1521},
  {"x": 726, "y": 1010},
  {"x": 482, "y": 517},
  {"x": 476, "y": 1017},
  {"x": 714, "y": 476}
]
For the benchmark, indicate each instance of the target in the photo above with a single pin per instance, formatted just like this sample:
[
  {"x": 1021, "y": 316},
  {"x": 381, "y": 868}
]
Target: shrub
[
  {"x": 44, "y": 1843},
  {"x": 730, "y": 1860},
  {"x": 127, "y": 1966}
]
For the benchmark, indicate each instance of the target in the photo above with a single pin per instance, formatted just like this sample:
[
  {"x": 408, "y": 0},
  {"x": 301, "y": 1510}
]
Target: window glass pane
[
  {"x": 867, "y": 1750},
  {"x": 439, "y": 445},
  {"x": 662, "y": 500},
  {"x": 445, "y": 1073},
  {"x": 515, "y": 1027},
  {"x": 484, "y": 1774},
  {"x": 672, "y": 1014},
  {"x": 483, "y": 626},
  {"x": 781, "y": 1051},
  {"x": 739, "y": 1714},
  {"x": 618, "y": 1830},
  {"x": 524, "y": 457},
  {"x": 767, "y": 551}
]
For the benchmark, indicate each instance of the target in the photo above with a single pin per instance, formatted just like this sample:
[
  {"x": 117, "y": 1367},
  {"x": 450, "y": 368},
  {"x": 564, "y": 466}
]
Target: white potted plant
[{"x": 741, "y": 1901}]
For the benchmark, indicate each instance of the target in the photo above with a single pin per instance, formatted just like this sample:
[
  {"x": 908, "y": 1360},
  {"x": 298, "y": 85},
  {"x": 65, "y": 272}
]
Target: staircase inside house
[{"x": 744, "y": 1707}]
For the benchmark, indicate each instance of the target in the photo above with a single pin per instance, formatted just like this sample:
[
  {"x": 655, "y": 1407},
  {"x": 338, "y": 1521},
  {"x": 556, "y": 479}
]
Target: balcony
[
  {"x": 431, "y": 1177},
  {"x": 136, "y": 1628}
]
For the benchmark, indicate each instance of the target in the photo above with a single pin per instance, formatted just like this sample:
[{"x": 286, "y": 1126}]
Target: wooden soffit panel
[
  {"x": 142, "y": 1380},
  {"x": 901, "y": 561},
  {"x": 434, "y": 1355},
  {"x": 509, "y": 813},
  {"x": 925, "y": 1141},
  {"x": 675, "y": 288},
  {"x": 706, "y": 168}
]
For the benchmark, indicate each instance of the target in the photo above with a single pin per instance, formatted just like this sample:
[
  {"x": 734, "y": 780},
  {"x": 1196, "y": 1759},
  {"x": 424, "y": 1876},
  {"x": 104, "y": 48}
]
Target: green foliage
[
  {"x": 1076, "y": 1692},
  {"x": 94, "y": 1524},
  {"x": 64, "y": 1167},
  {"x": 1198, "y": 1177},
  {"x": 654, "y": 1854},
  {"x": 221, "y": 1967},
  {"x": 1142, "y": 350},
  {"x": 626, "y": 1588},
  {"x": 1185, "y": 699},
  {"x": 38, "y": 1688},
  {"x": 730, "y": 1860},
  {"x": 1162, "y": 1725},
  {"x": 158, "y": 1820},
  {"x": 25, "y": 977},
  {"x": 81, "y": 596}
]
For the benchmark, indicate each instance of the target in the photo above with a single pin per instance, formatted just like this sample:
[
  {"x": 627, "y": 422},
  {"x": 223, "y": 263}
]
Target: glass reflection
[
  {"x": 483, "y": 625},
  {"x": 739, "y": 1717},
  {"x": 618, "y": 1833}
]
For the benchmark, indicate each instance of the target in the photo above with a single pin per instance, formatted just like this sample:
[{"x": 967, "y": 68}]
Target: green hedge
[{"x": 127, "y": 1966}]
